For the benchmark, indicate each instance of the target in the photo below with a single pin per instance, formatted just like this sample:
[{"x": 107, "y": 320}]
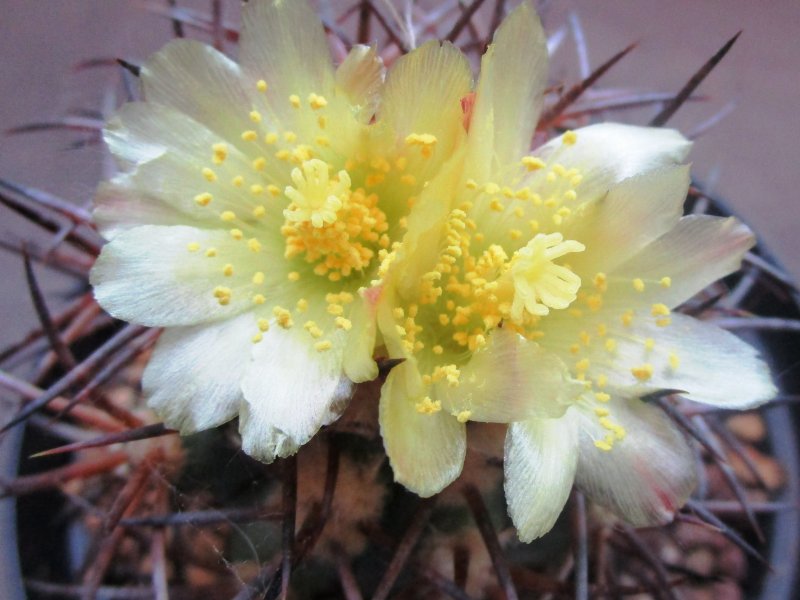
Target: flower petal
[
  {"x": 423, "y": 95},
  {"x": 426, "y": 451},
  {"x": 357, "y": 360},
  {"x": 635, "y": 212},
  {"x": 510, "y": 379},
  {"x": 647, "y": 475},
  {"x": 509, "y": 94},
  {"x": 193, "y": 378},
  {"x": 360, "y": 78},
  {"x": 166, "y": 152},
  {"x": 202, "y": 83},
  {"x": 607, "y": 153},
  {"x": 290, "y": 391},
  {"x": 148, "y": 275},
  {"x": 696, "y": 252},
  {"x": 711, "y": 365},
  {"x": 283, "y": 43},
  {"x": 541, "y": 457}
]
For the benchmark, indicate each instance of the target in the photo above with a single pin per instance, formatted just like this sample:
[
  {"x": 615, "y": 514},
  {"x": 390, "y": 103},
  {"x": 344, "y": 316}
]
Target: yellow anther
[
  {"x": 408, "y": 179},
  {"x": 463, "y": 416},
  {"x": 227, "y": 270},
  {"x": 343, "y": 323},
  {"x": 203, "y": 199},
  {"x": 271, "y": 138},
  {"x": 638, "y": 285},
  {"x": 514, "y": 234},
  {"x": 259, "y": 164},
  {"x": 258, "y": 278},
  {"x": 574, "y": 349},
  {"x": 237, "y": 181},
  {"x": 426, "y": 141},
  {"x": 274, "y": 190},
  {"x": 193, "y": 246},
  {"x": 220, "y": 153},
  {"x": 426, "y": 406},
  {"x": 259, "y": 211},
  {"x": 569, "y": 138},
  {"x": 611, "y": 344},
  {"x": 323, "y": 346},
  {"x": 290, "y": 136},
  {"x": 223, "y": 294},
  {"x": 666, "y": 282},
  {"x": 322, "y": 121},
  {"x": 256, "y": 189},
  {"x": 227, "y": 216},
  {"x": 316, "y": 102},
  {"x": 472, "y": 184},
  {"x": 259, "y": 299},
  {"x": 659, "y": 310},
  {"x": 674, "y": 361},
  {"x": 263, "y": 324},
  {"x": 602, "y": 412},
  {"x": 283, "y": 317},
  {"x": 254, "y": 245},
  {"x": 663, "y": 321},
  {"x": 649, "y": 343},
  {"x": 255, "y": 116},
  {"x": 438, "y": 350},
  {"x": 249, "y": 135},
  {"x": 491, "y": 188},
  {"x": 209, "y": 174},
  {"x": 534, "y": 225},
  {"x": 603, "y": 445},
  {"x": 211, "y": 252},
  {"x": 294, "y": 100},
  {"x": 293, "y": 276},
  {"x": 602, "y": 396},
  {"x": 602, "y": 329},
  {"x": 533, "y": 163},
  {"x": 643, "y": 372},
  {"x": 322, "y": 140},
  {"x": 602, "y": 381},
  {"x": 257, "y": 338},
  {"x": 335, "y": 309},
  {"x": 302, "y": 305},
  {"x": 496, "y": 205},
  {"x": 398, "y": 313},
  {"x": 570, "y": 195},
  {"x": 585, "y": 338},
  {"x": 261, "y": 85},
  {"x": 582, "y": 365},
  {"x": 600, "y": 282},
  {"x": 627, "y": 317}
]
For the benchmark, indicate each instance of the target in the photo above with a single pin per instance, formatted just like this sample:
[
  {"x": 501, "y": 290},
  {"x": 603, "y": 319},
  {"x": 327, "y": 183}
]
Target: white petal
[
  {"x": 510, "y": 379},
  {"x": 633, "y": 213},
  {"x": 509, "y": 93},
  {"x": 696, "y": 252},
  {"x": 607, "y": 153},
  {"x": 119, "y": 206},
  {"x": 166, "y": 152},
  {"x": 541, "y": 457},
  {"x": 426, "y": 451},
  {"x": 423, "y": 95},
  {"x": 357, "y": 361},
  {"x": 360, "y": 77},
  {"x": 646, "y": 476},
  {"x": 710, "y": 365},
  {"x": 283, "y": 43},
  {"x": 202, "y": 83},
  {"x": 290, "y": 391},
  {"x": 193, "y": 378},
  {"x": 147, "y": 275}
]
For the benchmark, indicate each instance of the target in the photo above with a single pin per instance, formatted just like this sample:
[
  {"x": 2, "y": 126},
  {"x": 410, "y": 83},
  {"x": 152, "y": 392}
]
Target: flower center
[
  {"x": 539, "y": 283},
  {"x": 330, "y": 225}
]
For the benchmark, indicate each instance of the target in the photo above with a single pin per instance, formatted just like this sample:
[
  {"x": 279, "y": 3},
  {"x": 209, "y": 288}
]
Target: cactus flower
[
  {"x": 254, "y": 201},
  {"x": 538, "y": 289}
]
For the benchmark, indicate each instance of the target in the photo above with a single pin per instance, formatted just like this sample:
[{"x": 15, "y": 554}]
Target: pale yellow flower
[
  {"x": 256, "y": 200},
  {"x": 538, "y": 290}
]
